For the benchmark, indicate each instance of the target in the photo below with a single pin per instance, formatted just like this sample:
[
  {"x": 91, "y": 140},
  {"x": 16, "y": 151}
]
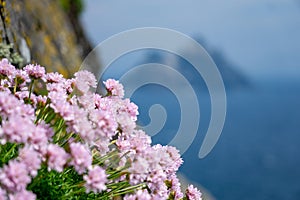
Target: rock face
[{"x": 42, "y": 32}]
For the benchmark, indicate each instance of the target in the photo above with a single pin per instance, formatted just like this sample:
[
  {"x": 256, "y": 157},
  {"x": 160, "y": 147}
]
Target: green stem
[
  {"x": 15, "y": 86},
  {"x": 9, "y": 152},
  {"x": 128, "y": 189},
  {"x": 72, "y": 193},
  {"x": 30, "y": 88},
  {"x": 106, "y": 157},
  {"x": 41, "y": 112}
]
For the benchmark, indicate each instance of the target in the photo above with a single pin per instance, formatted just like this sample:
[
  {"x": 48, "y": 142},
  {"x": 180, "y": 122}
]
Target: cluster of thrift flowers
[{"x": 60, "y": 140}]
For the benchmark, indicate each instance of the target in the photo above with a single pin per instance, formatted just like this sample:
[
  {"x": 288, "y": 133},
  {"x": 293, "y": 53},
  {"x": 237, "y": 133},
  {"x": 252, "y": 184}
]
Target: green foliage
[
  {"x": 8, "y": 151},
  {"x": 76, "y": 6},
  {"x": 55, "y": 185}
]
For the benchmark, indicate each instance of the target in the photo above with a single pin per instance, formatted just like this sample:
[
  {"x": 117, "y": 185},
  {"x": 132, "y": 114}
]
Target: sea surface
[{"x": 257, "y": 155}]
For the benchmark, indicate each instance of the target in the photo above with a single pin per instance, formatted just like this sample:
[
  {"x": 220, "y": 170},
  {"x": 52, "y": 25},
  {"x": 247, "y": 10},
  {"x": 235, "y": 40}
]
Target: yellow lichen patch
[{"x": 4, "y": 12}]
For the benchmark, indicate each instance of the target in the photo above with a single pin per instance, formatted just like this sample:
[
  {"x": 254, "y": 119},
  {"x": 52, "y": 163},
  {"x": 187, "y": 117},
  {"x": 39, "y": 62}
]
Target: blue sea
[{"x": 257, "y": 155}]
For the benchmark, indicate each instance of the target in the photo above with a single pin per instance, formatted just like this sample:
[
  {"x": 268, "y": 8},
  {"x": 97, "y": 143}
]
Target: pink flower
[
  {"x": 175, "y": 157},
  {"x": 126, "y": 124},
  {"x": 86, "y": 101},
  {"x": 102, "y": 103},
  {"x": 131, "y": 109},
  {"x": 62, "y": 107},
  {"x": 5, "y": 85},
  {"x": 139, "y": 195},
  {"x": 137, "y": 142},
  {"x": 105, "y": 126},
  {"x": 39, "y": 136},
  {"x": 2, "y": 194},
  {"x": 97, "y": 100},
  {"x": 175, "y": 187},
  {"x": 22, "y": 77},
  {"x": 159, "y": 190},
  {"x": 95, "y": 180},
  {"x": 102, "y": 145},
  {"x": 138, "y": 170},
  {"x": 57, "y": 157},
  {"x": 59, "y": 87},
  {"x": 84, "y": 80},
  {"x": 6, "y": 68},
  {"x": 84, "y": 128},
  {"x": 193, "y": 193},
  {"x": 54, "y": 77},
  {"x": 22, "y": 195},
  {"x": 170, "y": 159},
  {"x": 41, "y": 100},
  {"x": 114, "y": 88},
  {"x": 81, "y": 157},
  {"x": 31, "y": 159},
  {"x": 14, "y": 176},
  {"x": 17, "y": 129},
  {"x": 25, "y": 95},
  {"x": 10, "y": 105},
  {"x": 35, "y": 71},
  {"x": 105, "y": 123}
]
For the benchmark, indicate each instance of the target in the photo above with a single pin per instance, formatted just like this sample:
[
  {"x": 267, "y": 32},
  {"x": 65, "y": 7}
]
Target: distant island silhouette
[{"x": 233, "y": 78}]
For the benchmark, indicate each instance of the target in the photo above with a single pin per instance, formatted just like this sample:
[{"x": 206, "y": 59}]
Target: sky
[{"x": 261, "y": 37}]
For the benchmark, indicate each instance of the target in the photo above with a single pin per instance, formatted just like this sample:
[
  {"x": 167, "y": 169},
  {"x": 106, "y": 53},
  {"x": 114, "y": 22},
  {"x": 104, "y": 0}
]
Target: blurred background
[{"x": 256, "y": 46}]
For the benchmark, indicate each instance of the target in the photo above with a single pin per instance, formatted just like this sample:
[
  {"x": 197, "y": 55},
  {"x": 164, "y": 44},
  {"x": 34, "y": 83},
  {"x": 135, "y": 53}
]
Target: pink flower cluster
[{"x": 72, "y": 127}]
